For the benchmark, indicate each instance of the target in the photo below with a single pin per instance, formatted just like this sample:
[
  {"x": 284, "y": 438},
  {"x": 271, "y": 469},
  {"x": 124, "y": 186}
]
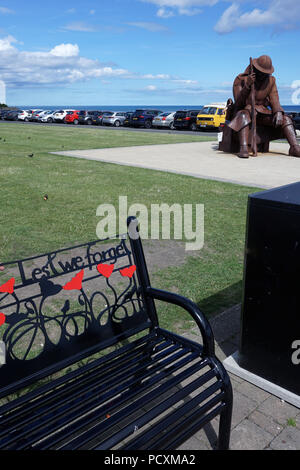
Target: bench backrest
[{"x": 61, "y": 306}]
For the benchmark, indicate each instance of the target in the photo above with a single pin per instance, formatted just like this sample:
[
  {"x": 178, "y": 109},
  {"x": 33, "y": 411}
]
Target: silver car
[
  {"x": 164, "y": 120},
  {"x": 113, "y": 119}
]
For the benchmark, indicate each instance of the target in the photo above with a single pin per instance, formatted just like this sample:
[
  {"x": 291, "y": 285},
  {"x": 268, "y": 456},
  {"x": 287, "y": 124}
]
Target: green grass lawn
[{"x": 75, "y": 187}]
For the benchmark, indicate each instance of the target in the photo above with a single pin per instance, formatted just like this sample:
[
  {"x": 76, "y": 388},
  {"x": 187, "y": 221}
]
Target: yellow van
[{"x": 211, "y": 116}]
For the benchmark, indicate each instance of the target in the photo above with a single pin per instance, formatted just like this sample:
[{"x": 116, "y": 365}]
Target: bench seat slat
[
  {"x": 156, "y": 410},
  {"x": 159, "y": 429},
  {"x": 80, "y": 378},
  {"x": 72, "y": 398},
  {"x": 195, "y": 426},
  {"x": 126, "y": 396},
  {"x": 65, "y": 413},
  {"x": 93, "y": 402}
]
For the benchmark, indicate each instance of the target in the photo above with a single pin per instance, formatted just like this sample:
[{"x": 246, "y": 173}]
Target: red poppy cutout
[
  {"x": 2, "y": 318},
  {"x": 8, "y": 287},
  {"x": 75, "y": 283},
  {"x": 105, "y": 269},
  {"x": 128, "y": 272}
]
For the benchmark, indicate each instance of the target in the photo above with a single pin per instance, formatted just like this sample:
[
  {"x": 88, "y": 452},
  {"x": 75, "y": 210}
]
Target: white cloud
[
  {"x": 92, "y": 12},
  {"x": 164, "y": 13},
  {"x": 80, "y": 26},
  {"x": 65, "y": 50},
  {"x": 282, "y": 14},
  {"x": 153, "y": 27},
  {"x": 167, "y": 8},
  {"x": 59, "y": 66},
  {"x": 6, "y": 11},
  {"x": 6, "y": 44}
]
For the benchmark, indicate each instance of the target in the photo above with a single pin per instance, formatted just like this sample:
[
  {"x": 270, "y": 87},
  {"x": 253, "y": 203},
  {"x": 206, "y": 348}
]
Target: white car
[
  {"x": 164, "y": 120},
  {"x": 49, "y": 117},
  {"x": 60, "y": 115},
  {"x": 41, "y": 114},
  {"x": 24, "y": 115}
]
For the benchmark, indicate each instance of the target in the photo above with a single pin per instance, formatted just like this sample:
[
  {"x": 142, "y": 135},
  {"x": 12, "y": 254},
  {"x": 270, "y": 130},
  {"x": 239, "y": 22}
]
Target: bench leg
[
  {"x": 225, "y": 427},
  {"x": 226, "y": 413}
]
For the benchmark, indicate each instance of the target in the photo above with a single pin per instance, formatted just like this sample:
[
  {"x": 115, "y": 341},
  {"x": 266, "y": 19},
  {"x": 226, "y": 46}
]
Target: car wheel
[
  {"x": 172, "y": 125},
  {"x": 26, "y": 119},
  {"x": 89, "y": 122},
  {"x": 117, "y": 123},
  {"x": 75, "y": 122},
  {"x": 148, "y": 124},
  {"x": 49, "y": 120},
  {"x": 193, "y": 126}
]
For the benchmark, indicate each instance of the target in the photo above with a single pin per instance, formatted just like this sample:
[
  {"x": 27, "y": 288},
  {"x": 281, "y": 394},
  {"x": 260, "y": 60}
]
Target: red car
[{"x": 72, "y": 117}]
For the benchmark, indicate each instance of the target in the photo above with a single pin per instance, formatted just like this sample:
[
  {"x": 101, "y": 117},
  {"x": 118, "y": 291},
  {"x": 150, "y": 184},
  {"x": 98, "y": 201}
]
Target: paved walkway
[
  {"x": 260, "y": 420},
  {"x": 204, "y": 160}
]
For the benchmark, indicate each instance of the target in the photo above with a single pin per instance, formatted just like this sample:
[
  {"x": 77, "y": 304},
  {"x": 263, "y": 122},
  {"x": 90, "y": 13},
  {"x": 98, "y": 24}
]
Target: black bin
[{"x": 271, "y": 292}]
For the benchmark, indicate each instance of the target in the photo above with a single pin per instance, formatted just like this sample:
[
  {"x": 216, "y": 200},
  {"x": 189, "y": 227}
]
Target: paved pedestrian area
[
  {"x": 260, "y": 420},
  {"x": 204, "y": 160}
]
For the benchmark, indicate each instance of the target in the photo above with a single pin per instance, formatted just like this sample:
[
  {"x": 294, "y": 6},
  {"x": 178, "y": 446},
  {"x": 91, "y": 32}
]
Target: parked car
[
  {"x": 12, "y": 115},
  {"x": 127, "y": 120},
  {"x": 24, "y": 115},
  {"x": 164, "y": 120},
  {"x": 212, "y": 116},
  {"x": 34, "y": 113},
  {"x": 49, "y": 117},
  {"x": 3, "y": 111},
  {"x": 115, "y": 119},
  {"x": 42, "y": 115},
  {"x": 97, "y": 119},
  {"x": 87, "y": 117},
  {"x": 60, "y": 115},
  {"x": 144, "y": 117},
  {"x": 37, "y": 115},
  {"x": 72, "y": 117},
  {"x": 186, "y": 119}
]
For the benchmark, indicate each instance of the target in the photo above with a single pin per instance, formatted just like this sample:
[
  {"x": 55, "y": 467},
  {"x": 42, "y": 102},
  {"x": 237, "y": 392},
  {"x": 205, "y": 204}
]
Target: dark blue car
[{"x": 144, "y": 117}]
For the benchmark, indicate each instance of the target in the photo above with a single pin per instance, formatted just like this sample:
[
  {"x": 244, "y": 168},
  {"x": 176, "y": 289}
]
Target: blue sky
[{"x": 132, "y": 52}]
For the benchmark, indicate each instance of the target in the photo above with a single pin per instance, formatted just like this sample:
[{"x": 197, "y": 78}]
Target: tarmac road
[{"x": 207, "y": 133}]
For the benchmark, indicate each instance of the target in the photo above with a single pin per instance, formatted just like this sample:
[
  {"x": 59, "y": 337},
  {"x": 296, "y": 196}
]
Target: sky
[{"x": 133, "y": 52}]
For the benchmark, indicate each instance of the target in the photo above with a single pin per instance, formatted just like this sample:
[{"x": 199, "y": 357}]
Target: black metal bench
[{"x": 87, "y": 365}]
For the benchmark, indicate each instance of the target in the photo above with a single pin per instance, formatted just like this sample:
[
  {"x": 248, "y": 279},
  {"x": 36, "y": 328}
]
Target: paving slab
[{"x": 204, "y": 160}]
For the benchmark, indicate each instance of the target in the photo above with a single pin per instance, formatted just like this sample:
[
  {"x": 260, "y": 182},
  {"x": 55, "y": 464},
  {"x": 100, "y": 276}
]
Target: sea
[{"x": 162, "y": 108}]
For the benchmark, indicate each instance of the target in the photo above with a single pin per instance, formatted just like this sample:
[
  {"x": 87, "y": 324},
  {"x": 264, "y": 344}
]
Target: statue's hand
[
  {"x": 278, "y": 119},
  {"x": 250, "y": 80}
]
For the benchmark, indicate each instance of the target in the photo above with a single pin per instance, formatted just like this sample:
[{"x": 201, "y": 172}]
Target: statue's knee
[{"x": 244, "y": 118}]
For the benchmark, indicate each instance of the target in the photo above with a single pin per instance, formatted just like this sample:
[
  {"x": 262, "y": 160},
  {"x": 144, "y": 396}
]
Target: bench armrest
[{"x": 193, "y": 310}]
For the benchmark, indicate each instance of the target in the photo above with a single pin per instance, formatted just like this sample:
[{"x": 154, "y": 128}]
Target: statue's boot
[
  {"x": 290, "y": 135},
  {"x": 243, "y": 137}
]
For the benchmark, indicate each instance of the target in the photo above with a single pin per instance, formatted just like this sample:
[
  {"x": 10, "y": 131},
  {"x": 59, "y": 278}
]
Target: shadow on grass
[{"x": 222, "y": 300}]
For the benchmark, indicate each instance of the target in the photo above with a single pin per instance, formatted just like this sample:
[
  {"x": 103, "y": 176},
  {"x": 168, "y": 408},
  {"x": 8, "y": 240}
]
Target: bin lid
[{"x": 288, "y": 195}]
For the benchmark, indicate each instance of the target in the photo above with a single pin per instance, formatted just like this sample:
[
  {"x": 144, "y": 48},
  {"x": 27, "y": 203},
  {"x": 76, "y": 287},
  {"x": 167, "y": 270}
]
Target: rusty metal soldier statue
[{"x": 265, "y": 104}]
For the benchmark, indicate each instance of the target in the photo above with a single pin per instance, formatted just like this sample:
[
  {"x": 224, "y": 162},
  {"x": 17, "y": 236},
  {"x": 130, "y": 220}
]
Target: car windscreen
[
  {"x": 82, "y": 113},
  {"x": 108, "y": 113},
  {"x": 180, "y": 114},
  {"x": 208, "y": 110}
]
